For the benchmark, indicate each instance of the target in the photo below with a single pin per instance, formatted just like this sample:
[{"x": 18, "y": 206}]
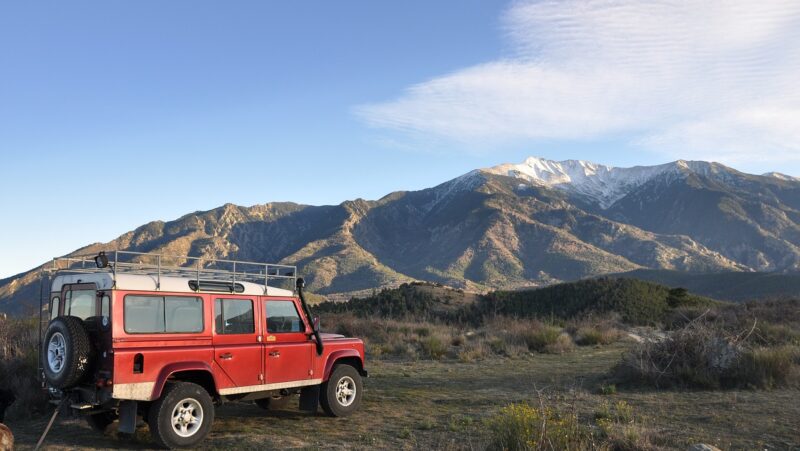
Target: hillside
[
  {"x": 508, "y": 227},
  {"x": 729, "y": 286},
  {"x": 635, "y": 301}
]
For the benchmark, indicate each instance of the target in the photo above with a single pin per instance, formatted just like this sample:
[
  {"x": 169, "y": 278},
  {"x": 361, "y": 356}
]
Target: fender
[
  {"x": 337, "y": 355},
  {"x": 172, "y": 368}
]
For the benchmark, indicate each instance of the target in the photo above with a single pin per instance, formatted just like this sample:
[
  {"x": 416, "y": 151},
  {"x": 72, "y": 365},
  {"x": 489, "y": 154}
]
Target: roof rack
[{"x": 197, "y": 269}]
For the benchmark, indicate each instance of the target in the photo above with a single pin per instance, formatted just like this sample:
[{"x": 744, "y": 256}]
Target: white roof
[{"x": 141, "y": 282}]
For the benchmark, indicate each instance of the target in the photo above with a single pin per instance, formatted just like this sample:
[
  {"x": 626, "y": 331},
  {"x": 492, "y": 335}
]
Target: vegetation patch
[
  {"x": 708, "y": 353},
  {"x": 521, "y": 426},
  {"x": 19, "y": 366}
]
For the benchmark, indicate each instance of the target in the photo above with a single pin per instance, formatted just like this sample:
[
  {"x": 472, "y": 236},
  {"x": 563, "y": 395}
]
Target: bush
[
  {"x": 472, "y": 352},
  {"x": 596, "y": 335},
  {"x": 705, "y": 355},
  {"x": 768, "y": 367},
  {"x": 522, "y": 427},
  {"x": 19, "y": 367},
  {"x": 608, "y": 389},
  {"x": 541, "y": 338},
  {"x": 696, "y": 356},
  {"x": 547, "y": 427},
  {"x": 433, "y": 347},
  {"x": 562, "y": 345}
]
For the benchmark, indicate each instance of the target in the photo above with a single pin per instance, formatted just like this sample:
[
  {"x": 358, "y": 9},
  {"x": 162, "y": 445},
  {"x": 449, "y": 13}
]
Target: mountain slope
[
  {"x": 506, "y": 227},
  {"x": 728, "y": 286}
]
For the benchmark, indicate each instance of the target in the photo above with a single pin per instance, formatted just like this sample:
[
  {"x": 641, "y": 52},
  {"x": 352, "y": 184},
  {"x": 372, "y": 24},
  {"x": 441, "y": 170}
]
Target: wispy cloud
[{"x": 714, "y": 79}]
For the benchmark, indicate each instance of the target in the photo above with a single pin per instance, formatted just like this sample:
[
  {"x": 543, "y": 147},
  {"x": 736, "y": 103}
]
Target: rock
[
  {"x": 703, "y": 447},
  {"x": 6, "y": 438}
]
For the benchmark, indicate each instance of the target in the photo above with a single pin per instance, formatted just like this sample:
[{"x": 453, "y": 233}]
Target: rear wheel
[
  {"x": 341, "y": 394},
  {"x": 182, "y": 417}
]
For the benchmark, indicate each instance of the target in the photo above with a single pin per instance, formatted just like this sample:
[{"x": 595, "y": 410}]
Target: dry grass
[
  {"x": 501, "y": 336},
  {"x": 432, "y": 404},
  {"x": 19, "y": 366}
]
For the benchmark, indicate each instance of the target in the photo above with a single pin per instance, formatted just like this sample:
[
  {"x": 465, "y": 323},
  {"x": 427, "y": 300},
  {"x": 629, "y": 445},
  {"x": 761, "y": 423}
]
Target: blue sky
[{"x": 113, "y": 114}]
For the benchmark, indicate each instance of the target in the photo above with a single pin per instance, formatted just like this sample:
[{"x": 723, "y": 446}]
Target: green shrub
[
  {"x": 472, "y": 352},
  {"x": 768, "y": 367},
  {"x": 562, "y": 345},
  {"x": 498, "y": 346},
  {"x": 426, "y": 424},
  {"x": 540, "y": 338},
  {"x": 523, "y": 427},
  {"x": 769, "y": 334},
  {"x": 608, "y": 389},
  {"x": 459, "y": 423},
  {"x": 596, "y": 335},
  {"x": 433, "y": 347}
]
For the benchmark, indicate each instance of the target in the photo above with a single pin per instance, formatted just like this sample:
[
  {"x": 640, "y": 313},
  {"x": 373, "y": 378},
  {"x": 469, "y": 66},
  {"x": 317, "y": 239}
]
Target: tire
[
  {"x": 67, "y": 352},
  {"x": 100, "y": 422},
  {"x": 274, "y": 403},
  {"x": 194, "y": 402},
  {"x": 334, "y": 396}
]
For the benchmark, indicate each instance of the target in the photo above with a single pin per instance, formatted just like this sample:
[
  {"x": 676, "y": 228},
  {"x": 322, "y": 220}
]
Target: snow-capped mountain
[
  {"x": 601, "y": 184},
  {"x": 780, "y": 176},
  {"x": 509, "y": 226}
]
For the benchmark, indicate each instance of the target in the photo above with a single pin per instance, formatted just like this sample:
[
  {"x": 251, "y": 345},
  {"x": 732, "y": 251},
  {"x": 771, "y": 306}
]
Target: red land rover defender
[{"x": 168, "y": 338}]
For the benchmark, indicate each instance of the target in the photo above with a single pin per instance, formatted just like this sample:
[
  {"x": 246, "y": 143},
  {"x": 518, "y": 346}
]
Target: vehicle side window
[
  {"x": 80, "y": 303},
  {"x": 282, "y": 317},
  {"x": 56, "y": 304},
  {"x": 105, "y": 306},
  {"x": 234, "y": 316},
  {"x": 163, "y": 314}
]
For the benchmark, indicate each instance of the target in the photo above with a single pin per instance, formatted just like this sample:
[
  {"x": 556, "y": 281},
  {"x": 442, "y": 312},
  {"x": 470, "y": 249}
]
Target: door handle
[
  {"x": 275, "y": 354},
  {"x": 226, "y": 356}
]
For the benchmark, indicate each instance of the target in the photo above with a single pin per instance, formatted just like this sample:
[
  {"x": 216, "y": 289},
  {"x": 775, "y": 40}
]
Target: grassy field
[{"x": 445, "y": 404}]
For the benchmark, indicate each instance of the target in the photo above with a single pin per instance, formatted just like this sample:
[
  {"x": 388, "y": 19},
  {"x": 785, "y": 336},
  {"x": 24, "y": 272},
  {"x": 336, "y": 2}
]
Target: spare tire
[{"x": 67, "y": 353}]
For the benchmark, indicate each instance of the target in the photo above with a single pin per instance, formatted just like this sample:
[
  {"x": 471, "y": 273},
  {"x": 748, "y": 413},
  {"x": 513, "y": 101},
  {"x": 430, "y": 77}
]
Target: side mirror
[
  {"x": 101, "y": 260},
  {"x": 315, "y": 323}
]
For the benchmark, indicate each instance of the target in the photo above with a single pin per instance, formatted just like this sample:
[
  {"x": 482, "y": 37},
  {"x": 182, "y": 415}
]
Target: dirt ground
[{"x": 442, "y": 405}]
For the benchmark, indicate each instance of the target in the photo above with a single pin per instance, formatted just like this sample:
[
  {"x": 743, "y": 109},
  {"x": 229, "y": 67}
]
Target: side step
[{"x": 83, "y": 406}]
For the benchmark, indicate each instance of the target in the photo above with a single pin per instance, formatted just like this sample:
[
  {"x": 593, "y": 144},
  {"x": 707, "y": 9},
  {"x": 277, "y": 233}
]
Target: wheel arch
[
  {"x": 196, "y": 372},
  {"x": 344, "y": 356}
]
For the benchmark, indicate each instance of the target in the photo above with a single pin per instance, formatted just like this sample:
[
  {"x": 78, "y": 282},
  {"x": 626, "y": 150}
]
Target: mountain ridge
[{"x": 494, "y": 228}]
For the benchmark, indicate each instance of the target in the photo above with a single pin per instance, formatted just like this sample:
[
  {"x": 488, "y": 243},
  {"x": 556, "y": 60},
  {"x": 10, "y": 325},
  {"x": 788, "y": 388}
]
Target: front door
[
  {"x": 237, "y": 349},
  {"x": 287, "y": 348}
]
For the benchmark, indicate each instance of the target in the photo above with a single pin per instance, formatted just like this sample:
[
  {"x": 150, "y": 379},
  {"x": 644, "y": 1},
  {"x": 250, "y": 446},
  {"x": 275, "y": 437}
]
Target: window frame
[
  {"x": 55, "y": 312},
  {"x": 299, "y": 316},
  {"x": 164, "y": 312},
  {"x": 222, "y": 312},
  {"x": 69, "y": 288}
]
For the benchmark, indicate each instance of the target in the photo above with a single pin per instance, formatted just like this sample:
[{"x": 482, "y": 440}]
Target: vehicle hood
[{"x": 327, "y": 336}]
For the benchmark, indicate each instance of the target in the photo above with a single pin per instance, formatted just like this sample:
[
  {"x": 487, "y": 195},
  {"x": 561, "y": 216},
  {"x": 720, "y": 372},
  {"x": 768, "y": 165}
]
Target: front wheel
[
  {"x": 341, "y": 394},
  {"x": 182, "y": 417}
]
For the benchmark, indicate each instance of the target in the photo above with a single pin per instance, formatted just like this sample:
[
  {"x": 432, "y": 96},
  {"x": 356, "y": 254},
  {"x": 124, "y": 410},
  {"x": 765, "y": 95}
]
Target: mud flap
[
  {"x": 127, "y": 417},
  {"x": 309, "y": 398}
]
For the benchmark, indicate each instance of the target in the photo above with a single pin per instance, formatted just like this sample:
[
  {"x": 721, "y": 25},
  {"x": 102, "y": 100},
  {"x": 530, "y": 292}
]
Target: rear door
[
  {"x": 287, "y": 348},
  {"x": 237, "y": 349}
]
